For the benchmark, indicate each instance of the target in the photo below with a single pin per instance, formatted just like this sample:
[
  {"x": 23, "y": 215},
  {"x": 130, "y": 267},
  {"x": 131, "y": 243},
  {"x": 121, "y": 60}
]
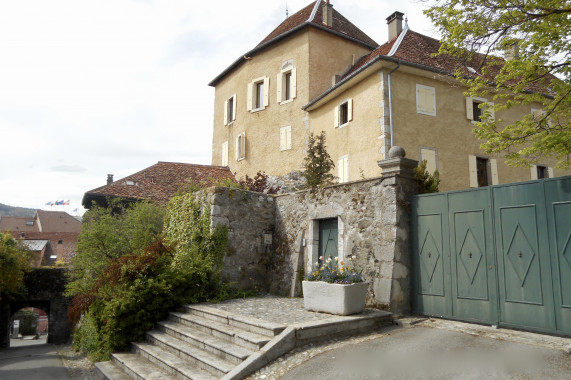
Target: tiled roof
[
  {"x": 17, "y": 224},
  {"x": 158, "y": 182},
  {"x": 306, "y": 17},
  {"x": 339, "y": 25},
  {"x": 418, "y": 49},
  {"x": 57, "y": 221}
]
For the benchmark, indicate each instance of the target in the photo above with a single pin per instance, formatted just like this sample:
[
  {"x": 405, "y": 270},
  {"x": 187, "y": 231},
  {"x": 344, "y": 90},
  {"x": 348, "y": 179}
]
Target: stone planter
[{"x": 340, "y": 299}]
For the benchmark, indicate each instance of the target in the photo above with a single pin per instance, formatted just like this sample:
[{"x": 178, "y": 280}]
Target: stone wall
[
  {"x": 373, "y": 219},
  {"x": 249, "y": 217},
  {"x": 373, "y": 225}
]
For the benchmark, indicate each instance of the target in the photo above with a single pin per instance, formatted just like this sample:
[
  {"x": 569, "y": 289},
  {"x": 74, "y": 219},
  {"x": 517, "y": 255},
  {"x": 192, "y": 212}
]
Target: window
[
  {"x": 29, "y": 222},
  {"x": 343, "y": 168},
  {"x": 241, "y": 146},
  {"x": 343, "y": 113},
  {"x": 483, "y": 171},
  {"x": 473, "y": 110},
  {"x": 286, "y": 85},
  {"x": 541, "y": 171},
  {"x": 285, "y": 138},
  {"x": 425, "y": 100},
  {"x": 230, "y": 110},
  {"x": 53, "y": 257},
  {"x": 430, "y": 155},
  {"x": 60, "y": 241},
  {"x": 225, "y": 153},
  {"x": 258, "y": 94}
]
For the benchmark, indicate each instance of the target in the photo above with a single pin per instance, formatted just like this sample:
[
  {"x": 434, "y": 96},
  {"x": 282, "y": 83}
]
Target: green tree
[
  {"x": 109, "y": 233},
  {"x": 14, "y": 263},
  {"x": 536, "y": 33},
  {"x": 318, "y": 163},
  {"x": 430, "y": 182}
]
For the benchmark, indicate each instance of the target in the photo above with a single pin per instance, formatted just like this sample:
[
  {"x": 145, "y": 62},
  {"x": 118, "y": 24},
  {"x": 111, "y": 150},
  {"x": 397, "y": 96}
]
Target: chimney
[
  {"x": 394, "y": 22},
  {"x": 327, "y": 14},
  {"x": 109, "y": 179}
]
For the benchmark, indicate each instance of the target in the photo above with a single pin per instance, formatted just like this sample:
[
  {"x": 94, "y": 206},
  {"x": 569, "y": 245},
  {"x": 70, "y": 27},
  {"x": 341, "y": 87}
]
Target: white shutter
[
  {"x": 293, "y": 84},
  {"x": 489, "y": 107},
  {"x": 226, "y": 112},
  {"x": 279, "y": 84},
  {"x": 469, "y": 108},
  {"x": 349, "y": 109},
  {"x": 225, "y": 153},
  {"x": 243, "y": 147},
  {"x": 533, "y": 170},
  {"x": 473, "y": 171},
  {"x": 336, "y": 117},
  {"x": 340, "y": 168},
  {"x": 266, "y": 91},
  {"x": 346, "y": 168},
  {"x": 288, "y": 137},
  {"x": 494, "y": 170},
  {"x": 550, "y": 172},
  {"x": 283, "y": 138},
  {"x": 430, "y": 156},
  {"x": 233, "y": 107},
  {"x": 249, "y": 96},
  {"x": 238, "y": 147}
]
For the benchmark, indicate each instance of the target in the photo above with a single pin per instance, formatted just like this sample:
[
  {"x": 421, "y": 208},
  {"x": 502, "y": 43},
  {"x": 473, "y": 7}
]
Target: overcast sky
[{"x": 96, "y": 87}]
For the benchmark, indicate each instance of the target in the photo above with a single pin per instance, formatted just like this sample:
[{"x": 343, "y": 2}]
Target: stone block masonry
[{"x": 373, "y": 218}]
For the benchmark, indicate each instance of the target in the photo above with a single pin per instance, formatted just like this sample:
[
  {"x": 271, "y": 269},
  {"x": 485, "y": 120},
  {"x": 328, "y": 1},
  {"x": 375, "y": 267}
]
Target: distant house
[
  {"x": 52, "y": 235},
  {"x": 158, "y": 183}
]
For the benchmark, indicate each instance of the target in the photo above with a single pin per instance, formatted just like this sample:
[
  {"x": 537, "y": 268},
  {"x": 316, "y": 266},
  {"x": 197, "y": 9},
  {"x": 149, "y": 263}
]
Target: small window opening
[
  {"x": 230, "y": 110},
  {"x": 29, "y": 223},
  {"x": 477, "y": 111},
  {"x": 288, "y": 86},
  {"x": 482, "y": 171},
  {"x": 60, "y": 241},
  {"x": 259, "y": 94},
  {"x": 541, "y": 172},
  {"x": 344, "y": 113}
]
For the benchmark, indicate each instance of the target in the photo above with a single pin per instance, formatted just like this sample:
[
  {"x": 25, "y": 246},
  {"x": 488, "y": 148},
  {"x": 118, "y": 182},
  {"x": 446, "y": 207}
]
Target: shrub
[
  {"x": 318, "y": 163},
  {"x": 429, "y": 182}
]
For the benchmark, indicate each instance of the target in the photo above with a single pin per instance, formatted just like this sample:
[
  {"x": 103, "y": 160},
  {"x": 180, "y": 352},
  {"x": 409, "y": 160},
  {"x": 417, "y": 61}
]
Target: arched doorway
[{"x": 29, "y": 325}]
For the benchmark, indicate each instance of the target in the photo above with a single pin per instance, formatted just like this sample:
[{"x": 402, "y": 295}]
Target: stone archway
[{"x": 44, "y": 290}]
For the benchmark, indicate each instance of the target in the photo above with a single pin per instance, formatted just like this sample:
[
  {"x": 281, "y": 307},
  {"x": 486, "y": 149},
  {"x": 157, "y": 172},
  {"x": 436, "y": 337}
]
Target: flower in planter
[{"x": 333, "y": 273}]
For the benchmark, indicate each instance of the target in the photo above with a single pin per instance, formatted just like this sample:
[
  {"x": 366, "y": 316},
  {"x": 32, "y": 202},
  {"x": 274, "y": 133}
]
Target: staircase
[
  {"x": 209, "y": 343},
  {"x": 201, "y": 343}
]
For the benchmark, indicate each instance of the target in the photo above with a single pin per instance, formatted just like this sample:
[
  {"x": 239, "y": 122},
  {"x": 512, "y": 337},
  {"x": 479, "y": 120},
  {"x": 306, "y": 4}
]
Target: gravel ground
[{"x": 78, "y": 365}]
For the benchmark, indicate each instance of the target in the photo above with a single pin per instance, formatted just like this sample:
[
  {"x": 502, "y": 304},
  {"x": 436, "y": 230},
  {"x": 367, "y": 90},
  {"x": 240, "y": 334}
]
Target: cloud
[{"x": 68, "y": 169}]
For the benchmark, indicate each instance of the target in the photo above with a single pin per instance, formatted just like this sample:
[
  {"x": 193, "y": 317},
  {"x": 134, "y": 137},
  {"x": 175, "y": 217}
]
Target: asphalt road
[
  {"x": 35, "y": 362},
  {"x": 429, "y": 353}
]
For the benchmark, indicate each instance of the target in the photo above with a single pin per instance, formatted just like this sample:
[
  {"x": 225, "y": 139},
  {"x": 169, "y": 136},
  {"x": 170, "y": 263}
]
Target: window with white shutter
[
  {"x": 241, "y": 146},
  {"x": 286, "y": 85},
  {"x": 257, "y": 94},
  {"x": 230, "y": 110},
  {"x": 285, "y": 138},
  {"x": 343, "y": 168},
  {"x": 343, "y": 113},
  {"x": 475, "y": 112},
  {"x": 425, "y": 100}
]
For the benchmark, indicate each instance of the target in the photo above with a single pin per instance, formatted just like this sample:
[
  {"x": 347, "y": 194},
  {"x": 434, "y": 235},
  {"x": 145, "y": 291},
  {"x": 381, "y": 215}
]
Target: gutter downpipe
[{"x": 391, "y": 104}]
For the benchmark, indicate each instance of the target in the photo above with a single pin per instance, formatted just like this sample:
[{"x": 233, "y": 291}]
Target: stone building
[{"x": 319, "y": 72}]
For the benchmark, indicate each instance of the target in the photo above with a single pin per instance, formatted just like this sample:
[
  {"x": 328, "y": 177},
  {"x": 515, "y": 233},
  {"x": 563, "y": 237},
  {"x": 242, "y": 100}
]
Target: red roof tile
[
  {"x": 419, "y": 49},
  {"x": 340, "y": 25},
  {"x": 158, "y": 182}
]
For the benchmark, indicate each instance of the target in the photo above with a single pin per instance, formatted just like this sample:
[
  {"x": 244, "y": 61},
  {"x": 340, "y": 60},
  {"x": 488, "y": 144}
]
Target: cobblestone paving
[{"x": 272, "y": 309}]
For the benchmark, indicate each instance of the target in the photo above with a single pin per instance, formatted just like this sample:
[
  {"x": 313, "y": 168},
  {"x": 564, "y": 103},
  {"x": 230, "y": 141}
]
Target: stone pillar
[{"x": 398, "y": 186}]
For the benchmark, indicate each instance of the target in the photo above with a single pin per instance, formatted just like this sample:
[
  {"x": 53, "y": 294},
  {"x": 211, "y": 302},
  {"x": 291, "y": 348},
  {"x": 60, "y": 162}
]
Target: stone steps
[
  {"x": 200, "y": 344},
  {"x": 205, "y": 343}
]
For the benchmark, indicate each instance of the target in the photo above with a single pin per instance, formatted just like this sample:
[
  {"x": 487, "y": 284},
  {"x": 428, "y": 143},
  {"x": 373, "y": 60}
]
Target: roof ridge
[{"x": 314, "y": 11}]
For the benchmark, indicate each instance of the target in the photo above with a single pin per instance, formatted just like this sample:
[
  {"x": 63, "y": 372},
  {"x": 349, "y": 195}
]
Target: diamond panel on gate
[{"x": 470, "y": 255}]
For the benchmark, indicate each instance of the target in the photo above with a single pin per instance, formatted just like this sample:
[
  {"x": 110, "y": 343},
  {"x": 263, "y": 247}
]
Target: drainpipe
[{"x": 391, "y": 104}]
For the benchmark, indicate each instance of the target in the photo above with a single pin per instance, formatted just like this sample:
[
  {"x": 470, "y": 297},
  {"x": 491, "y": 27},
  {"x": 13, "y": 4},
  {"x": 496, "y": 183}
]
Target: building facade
[{"x": 318, "y": 72}]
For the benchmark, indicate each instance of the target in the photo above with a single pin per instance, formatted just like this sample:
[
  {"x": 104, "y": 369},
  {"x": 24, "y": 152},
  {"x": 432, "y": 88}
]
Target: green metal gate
[{"x": 497, "y": 255}]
